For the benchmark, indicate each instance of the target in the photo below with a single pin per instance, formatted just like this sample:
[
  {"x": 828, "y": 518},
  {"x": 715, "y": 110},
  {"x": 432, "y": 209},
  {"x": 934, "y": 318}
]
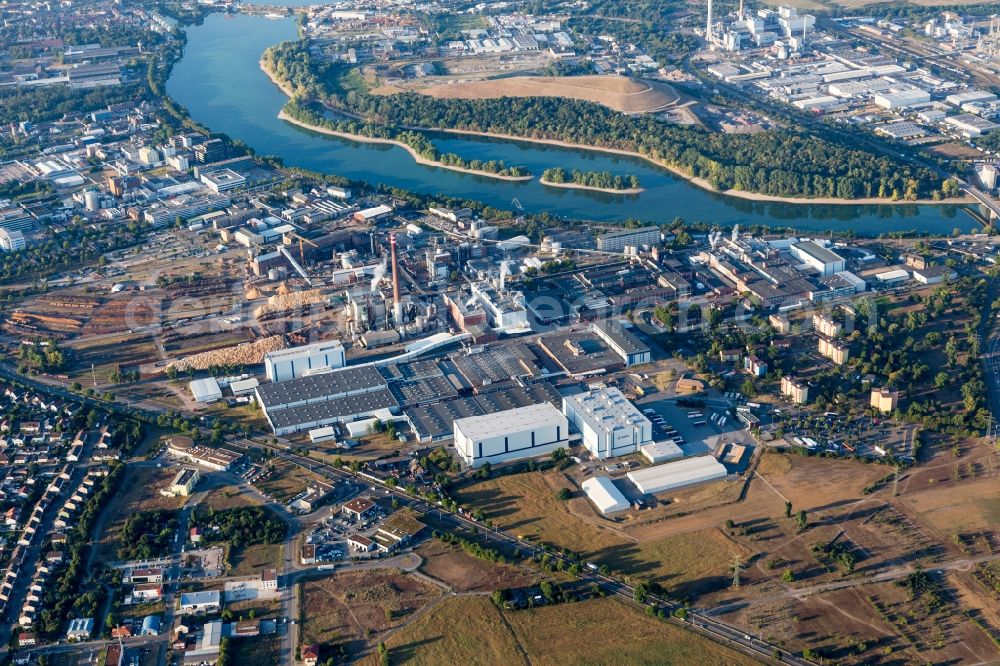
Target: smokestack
[
  {"x": 397, "y": 307},
  {"x": 741, "y": 10},
  {"x": 708, "y": 25}
]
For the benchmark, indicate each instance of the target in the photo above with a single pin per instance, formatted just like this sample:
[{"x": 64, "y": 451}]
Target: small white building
[
  {"x": 934, "y": 274},
  {"x": 205, "y": 390},
  {"x": 513, "y": 434},
  {"x": 659, "y": 452},
  {"x": 223, "y": 180},
  {"x": 80, "y": 629},
  {"x": 605, "y": 495},
  {"x": 244, "y": 386},
  {"x": 184, "y": 482},
  {"x": 893, "y": 277},
  {"x": 324, "y": 434},
  {"x": 610, "y": 424},
  {"x": 207, "y": 601},
  {"x": 295, "y": 362},
  {"x": 361, "y": 543}
]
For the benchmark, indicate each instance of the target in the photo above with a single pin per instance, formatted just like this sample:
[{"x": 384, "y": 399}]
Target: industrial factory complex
[{"x": 467, "y": 368}]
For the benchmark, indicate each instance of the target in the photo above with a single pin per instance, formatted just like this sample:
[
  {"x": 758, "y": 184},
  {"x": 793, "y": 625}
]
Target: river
[{"x": 220, "y": 83}]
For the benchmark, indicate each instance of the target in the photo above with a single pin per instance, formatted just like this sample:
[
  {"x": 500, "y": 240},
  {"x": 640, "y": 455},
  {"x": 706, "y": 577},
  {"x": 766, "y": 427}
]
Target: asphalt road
[{"x": 697, "y": 622}]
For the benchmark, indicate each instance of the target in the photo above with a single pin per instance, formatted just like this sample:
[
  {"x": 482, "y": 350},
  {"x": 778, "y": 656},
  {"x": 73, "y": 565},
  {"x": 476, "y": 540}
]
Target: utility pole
[
  {"x": 737, "y": 569},
  {"x": 895, "y": 483}
]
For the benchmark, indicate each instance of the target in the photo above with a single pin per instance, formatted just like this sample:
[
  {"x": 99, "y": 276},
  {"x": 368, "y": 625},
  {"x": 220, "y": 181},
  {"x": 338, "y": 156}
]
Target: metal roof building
[
  {"x": 659, "y": 452},
  {"x": 652, "y": 480},
  {"x": 622, "y": 341},
  {"x": 150, "y": 625},
  {"x": 314, "y": 401},
  {"x": 295, "y": 362},
  {"x": 826, "y": 261},
  {"x": 205, "y": 390},
  {"x": 610, "y": 424},
  {"x": 605, "y": 495},
  {"x": 513, "y": 434},
  {"x": 206, "y": 600}
]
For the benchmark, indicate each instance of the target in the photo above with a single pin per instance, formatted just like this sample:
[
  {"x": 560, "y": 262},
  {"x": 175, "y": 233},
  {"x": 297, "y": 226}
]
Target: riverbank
[
  {"x": 417, "y": 157},
  {"x": 680, "y": 173},
  {"x": 700, "y": 182},
  {"x": 578, "y": 186}
]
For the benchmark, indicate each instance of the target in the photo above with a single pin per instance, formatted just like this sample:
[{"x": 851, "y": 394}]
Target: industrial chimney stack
[
  {"x": 397, "y": 307},
  {"x": 708, "y": 26}
]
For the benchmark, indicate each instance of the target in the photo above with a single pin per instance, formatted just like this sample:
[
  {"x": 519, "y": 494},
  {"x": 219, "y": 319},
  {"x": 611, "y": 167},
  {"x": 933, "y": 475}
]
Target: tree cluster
[
  {"x": 242, "y": 526},
  {"x": 147, "y": 534},
  {"x": 603, "y": 180},
  {"x": 780, "y": 162}
]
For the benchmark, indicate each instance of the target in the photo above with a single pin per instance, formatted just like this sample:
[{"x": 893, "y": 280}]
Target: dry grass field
[
  {"x": 955, "y": 508},
  {"x": 228, "y": 496},
  {"x": 483, "y": 637},
  {"x": 526, "y": 505},
  {"x": 252, "y": 559},
  {"x": 353, "y": 608},
  {"x": 470, "y": 630},
  {"x": 620, "y": 93},
  {"x": 689, "y": 563},
  {"x": 464, "y": 573},
  {"x": 816, "y": 483},
  {"x": 141, "y": 492},
  {"x": 284, "y": 481}
]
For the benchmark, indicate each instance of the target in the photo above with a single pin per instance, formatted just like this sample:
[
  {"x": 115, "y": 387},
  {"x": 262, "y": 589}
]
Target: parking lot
[
  {"x": 697, "y": 430},
  {"x": 845, "y": 435},
  {"x": 330, "y": 536}
]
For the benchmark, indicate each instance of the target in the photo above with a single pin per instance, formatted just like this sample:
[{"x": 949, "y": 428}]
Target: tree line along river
[{"x": 220, "y": 82}]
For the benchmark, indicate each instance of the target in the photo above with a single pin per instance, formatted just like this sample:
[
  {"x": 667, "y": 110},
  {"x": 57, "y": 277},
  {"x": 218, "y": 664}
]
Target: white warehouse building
[
  {"x": 814, "y": 255},
  {"x": 205, "y": 390},
  {"x": 610, "y": 424},
  {"x": 672, "y": 475},
  {"x": 605, "y": 495},
  {"x": 513, "y": 434},
  {"x": 296, "y": 362}
]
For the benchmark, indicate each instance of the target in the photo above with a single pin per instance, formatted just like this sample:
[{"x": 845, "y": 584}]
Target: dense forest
[
  {"x": 147, "y": 534},
  {"x": 242, "y": 526},
  {"x": 43, "y": 103},
  {"x": 604, "y": 180},
  {"x": 78, "y": 243},
  {"x": 651, "y": 23},
  {"x": 306, "y": 113},
  {"x": 990, "y": 141},
  {"x": 783, "y": 163}
]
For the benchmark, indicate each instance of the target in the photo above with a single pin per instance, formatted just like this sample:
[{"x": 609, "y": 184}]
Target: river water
[{"x": 220, "y": 82}]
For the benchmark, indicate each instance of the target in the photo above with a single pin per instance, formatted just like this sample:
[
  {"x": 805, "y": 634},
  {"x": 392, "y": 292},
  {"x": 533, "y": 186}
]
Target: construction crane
[{"x": 302, "y": 240}]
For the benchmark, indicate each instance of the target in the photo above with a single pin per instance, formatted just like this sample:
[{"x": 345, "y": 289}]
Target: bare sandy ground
[
  {"x": 620, "y": 93},
  {"x": 578, "y": 186},
  {"x": 700, "y": 182}
]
